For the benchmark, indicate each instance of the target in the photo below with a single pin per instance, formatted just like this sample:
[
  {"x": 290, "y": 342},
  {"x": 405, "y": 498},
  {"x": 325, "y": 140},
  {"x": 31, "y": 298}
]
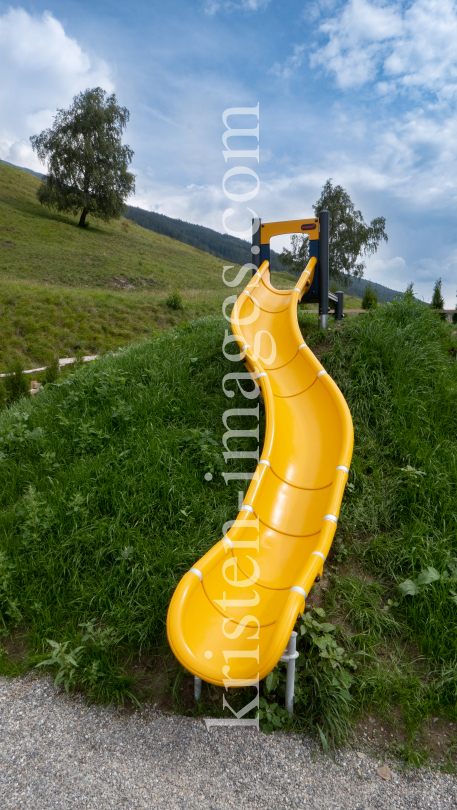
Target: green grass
[
  {"x": 65, "y": 289},
  {"x": 105, "y": 505},
  {"x": 390, "y": 584},
  {"x": 103, "y": 496},
  {"x": 398, "y": 520},
  {"x": 42, "y": 246},
  {"x": 401, "y": 387},
  {"x": 36, "y": 321}
]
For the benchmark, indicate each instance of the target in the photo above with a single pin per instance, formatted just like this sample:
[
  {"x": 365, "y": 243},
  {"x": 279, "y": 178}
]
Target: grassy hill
[
  {"x": 45, "y": 247},
  {"x": 66, "y": 290},
  {"x": 224, "y": 246},
  {"x": 385, "y": 294},
  {"x": 104, "y": 505}
]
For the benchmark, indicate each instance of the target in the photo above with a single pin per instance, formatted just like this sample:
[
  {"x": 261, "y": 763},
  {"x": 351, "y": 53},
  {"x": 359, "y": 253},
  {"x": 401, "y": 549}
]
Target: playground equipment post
[{"x": 324, "y": 234}]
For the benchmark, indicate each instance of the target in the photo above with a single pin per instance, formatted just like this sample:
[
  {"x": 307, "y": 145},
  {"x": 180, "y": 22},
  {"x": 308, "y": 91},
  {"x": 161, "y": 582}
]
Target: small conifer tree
[
  {"x": 408, "y": 295},
  {"x": 52, "y": 372},
  {"x": 437, "y": 299},
  {"x": 370, "y": 297},
  {"x": 16, "y": 384}
]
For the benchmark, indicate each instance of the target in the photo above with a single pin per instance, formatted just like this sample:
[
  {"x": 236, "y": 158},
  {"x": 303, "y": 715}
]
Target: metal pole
[
  {"x": 255, "y": 249},
  {"x": 339, "y": 306},
  {"x": 324, "y": 235},
  {"x": 291, "y": 652},
  {"x": 197, "y": 688}
]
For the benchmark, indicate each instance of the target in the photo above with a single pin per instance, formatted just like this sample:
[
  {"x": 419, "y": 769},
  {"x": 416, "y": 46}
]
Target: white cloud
[
  {"x": 291, "y": 64},
  {"x": 42, "y": 68},
  {"x": 403, "y": 46},
  {"x": 391, "y": 272},
  {"x": 213, "y": 6},
  {"x": 201, "y": 204},
  {"x": 396, "y": 273}
]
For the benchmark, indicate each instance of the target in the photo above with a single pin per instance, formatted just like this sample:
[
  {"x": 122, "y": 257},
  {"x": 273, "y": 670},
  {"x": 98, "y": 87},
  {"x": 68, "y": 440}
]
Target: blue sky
[{"x": 363, "y": 92}]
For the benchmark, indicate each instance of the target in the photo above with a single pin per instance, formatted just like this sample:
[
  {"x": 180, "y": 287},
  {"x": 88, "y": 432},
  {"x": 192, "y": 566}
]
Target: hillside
[
  {"x": 104, "y": 505},
  {"x": 224, "y": 246},
  {"x": 42, "y": 246},
  {"x": 66, "y": 290},
  {"x": 385, "y": 294}
]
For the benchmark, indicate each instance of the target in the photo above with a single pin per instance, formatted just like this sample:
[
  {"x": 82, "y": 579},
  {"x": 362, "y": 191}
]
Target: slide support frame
[
  {"x": 319, "y": 246},
  {"x": 197, "y": 687},
  {"x": 289, "y": 657},
  {"x": 324, "y": 259},
  {"x": 256, "y": 248}
]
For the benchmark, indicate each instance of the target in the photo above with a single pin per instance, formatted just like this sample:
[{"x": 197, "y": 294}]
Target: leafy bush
[
  {"x": 272, "y": 716},
  {"x": 175, "y": 300},
  {"x": 205, "y": 449},
  {"x": 84, "y": 665},
  {"x": 325, "y": 676}
]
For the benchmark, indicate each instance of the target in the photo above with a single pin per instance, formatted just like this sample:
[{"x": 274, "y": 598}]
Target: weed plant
[{"x": 323, "y": 680}]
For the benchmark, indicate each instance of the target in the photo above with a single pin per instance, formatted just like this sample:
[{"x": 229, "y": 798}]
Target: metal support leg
[
  {"x": 339, "y": 306},
  {"x": 322, "y": 321},
  {"x": 290, "y": 655},
  {"x": 197, "y": 688}
]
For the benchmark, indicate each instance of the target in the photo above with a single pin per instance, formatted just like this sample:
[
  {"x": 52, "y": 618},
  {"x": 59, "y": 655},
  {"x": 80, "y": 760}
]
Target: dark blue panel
[
  {"x": 264, "y": 253},
  {"x": 314, "y": 289}
]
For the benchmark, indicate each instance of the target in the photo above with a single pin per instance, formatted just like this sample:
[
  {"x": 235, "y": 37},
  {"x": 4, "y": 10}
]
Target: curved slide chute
[{"x": 232, "y": 614}]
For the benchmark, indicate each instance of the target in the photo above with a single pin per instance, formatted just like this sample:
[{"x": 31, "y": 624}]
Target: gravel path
[{"x": 58, "y": 753}]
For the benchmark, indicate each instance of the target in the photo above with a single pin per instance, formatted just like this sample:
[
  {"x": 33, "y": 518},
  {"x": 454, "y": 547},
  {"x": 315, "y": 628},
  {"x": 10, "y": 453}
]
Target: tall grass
[
  {"x": 104, "y": 503},
  {"x": 401, "y": 386}
]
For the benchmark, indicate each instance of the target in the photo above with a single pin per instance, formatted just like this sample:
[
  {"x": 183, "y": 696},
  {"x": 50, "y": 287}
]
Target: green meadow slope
[
  {"x": 65, "y": 290},
  {"x": 40, "y": 246}
]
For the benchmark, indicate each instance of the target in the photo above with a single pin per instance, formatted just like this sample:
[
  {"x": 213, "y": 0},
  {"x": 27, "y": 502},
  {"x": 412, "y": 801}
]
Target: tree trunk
[{"x": 82, "y": 221}]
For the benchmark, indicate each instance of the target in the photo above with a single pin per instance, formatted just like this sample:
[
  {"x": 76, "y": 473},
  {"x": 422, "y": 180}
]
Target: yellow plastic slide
[{"x": 232, "y": 614}]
